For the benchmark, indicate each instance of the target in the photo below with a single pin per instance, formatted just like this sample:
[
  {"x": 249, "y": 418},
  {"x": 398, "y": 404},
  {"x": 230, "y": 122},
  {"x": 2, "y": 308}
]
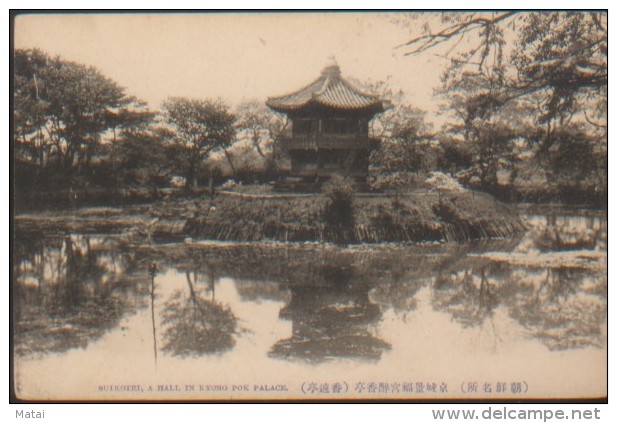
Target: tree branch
[
  {"x": 597, "y": 125},
  {"x": 428, "y": 41}
]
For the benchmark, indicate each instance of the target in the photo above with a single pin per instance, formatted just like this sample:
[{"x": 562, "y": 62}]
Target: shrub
[
  {"x": 177, "y": 181},
  {"x": 443, "y": 183},
  {"x": 229, "y": 184},
  {"x": 339, "y": 209},
  {"x": 396, "y": 181},
  {"x": 447, "y": 212}
]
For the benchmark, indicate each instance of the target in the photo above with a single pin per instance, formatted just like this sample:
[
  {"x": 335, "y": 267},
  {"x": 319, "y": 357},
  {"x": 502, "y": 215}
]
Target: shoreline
[
  {"x": 413, "y": 218},
  {"x": 416, "y": 217}
]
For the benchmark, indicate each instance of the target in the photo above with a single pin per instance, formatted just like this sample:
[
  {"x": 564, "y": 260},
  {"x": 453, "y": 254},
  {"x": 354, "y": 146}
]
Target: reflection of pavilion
[{"x": 328, "y": 322}]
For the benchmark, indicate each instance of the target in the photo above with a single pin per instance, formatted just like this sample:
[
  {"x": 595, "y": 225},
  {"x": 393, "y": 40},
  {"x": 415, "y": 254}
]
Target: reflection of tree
[
  {"x": 330, "y": 320},
  {"x": 399, "y": 284},
  {"x": 196, "y": 326},
  {"x": 556, "y": 306},
  {"x": 63, "y": 293},
  {"x": 256, "y": 291},
  {"x": 563, "y": 311},
  {"x": 560, "y": 311},
  {"x": 468, "y": 300}
]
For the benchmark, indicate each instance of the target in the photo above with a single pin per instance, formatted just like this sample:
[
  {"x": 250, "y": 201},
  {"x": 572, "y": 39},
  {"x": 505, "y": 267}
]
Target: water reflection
[
  {"x": 67, "y": 292},
  {"x": 70, "y": 291},
  {"x": 553, "y": 232},
  {"x": 332, "y": 319},
  {"x": 196, "y": 325},
  {"x": 468, "y": 295},
  {"x": 564, "y": 308}
]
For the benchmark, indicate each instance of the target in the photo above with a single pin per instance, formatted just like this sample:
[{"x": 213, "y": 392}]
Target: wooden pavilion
[{"x": 330, "y": 129}]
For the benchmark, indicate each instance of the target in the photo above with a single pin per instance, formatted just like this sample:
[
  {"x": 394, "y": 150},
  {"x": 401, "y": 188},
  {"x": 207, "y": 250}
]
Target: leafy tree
[
  {"x": 404, "y": 134},
  {"x": 143, "y": 158},
  {"x": 200, "y": 127},
  {"x": 488, "y": 129},
  {"x": 552, "y": 65},
  {"x": 549, "y": 50},
  {"x": 411, "y": 140},
  {"x": 29, "y": 109},
  {"x": 443, "y": 183},
  {"x": 577, "y": 159},
  {"x": 455, "y": 154},
  {"x": 63, "y": 109}
]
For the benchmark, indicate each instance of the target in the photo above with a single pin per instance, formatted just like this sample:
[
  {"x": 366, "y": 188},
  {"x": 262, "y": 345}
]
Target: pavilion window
[
  {"x": 302, "y": 126},
  {"x": 339, "y": 126}
]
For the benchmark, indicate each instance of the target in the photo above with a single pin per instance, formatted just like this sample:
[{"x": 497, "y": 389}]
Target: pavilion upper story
[{"x": 330, "y": 112}]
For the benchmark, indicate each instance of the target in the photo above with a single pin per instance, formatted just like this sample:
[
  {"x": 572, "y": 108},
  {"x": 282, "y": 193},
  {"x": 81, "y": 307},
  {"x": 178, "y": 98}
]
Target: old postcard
[{"x": 310, "y": 206}]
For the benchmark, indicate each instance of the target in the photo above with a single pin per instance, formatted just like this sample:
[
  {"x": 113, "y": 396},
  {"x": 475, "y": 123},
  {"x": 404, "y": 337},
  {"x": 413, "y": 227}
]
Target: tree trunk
[
  {"x": 258, "y": 147},
  {"x": 231, "y": 164},
  {"x": 192, "y": 180},
  {"x": 211, "y": 182}
]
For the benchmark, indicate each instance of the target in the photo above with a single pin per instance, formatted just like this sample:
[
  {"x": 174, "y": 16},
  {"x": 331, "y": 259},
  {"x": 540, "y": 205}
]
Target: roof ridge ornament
[{"x": 332, "y": 68}]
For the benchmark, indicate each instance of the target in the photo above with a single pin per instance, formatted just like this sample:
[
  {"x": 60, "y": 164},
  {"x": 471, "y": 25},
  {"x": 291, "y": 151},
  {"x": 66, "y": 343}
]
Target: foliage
[
  {"x": 404, "y": 134},
  {"x": 489, "y": 132},
  {"x": 576, "y": 157},
  {"x": 395, "y": 181},
  {"x": 262, "y": 128},
  {"x": 339, "y": 208},
  {"x": 196, "y": 326},
  {"x": 525, "y": 77},
  {"x": 443, "y": 183},
  {"x": 143, "y": 158},
  {"x": 455, "y": 154},
  {"x": 248, "y": 166},
  {"x": 563, "y": 53},
  {"x": 200, "y": 128},
  {"x": 63, "y": 109},
  {"x": 375, "y": 219},
  {"x": 70, "y": 307}
]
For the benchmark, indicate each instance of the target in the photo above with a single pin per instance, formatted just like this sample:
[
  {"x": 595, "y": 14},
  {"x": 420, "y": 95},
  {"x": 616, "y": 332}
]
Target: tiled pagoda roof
[{"x": 330, "y": 90}]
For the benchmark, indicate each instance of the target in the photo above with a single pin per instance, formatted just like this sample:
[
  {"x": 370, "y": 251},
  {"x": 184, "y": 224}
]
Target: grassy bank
[
  {"x": 413, "y": 217},
  {"x": 85, "y": 220},
  {"x": 422, "y": 216}
]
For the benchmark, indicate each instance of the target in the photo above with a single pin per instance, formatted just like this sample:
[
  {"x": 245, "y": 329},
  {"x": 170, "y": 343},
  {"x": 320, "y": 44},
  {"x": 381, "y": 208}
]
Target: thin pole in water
[{"x": 153, "y": 270}]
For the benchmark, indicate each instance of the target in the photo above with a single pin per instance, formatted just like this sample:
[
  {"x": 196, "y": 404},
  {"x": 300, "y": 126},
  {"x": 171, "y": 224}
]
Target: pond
[{"x": 96, "y": 317}]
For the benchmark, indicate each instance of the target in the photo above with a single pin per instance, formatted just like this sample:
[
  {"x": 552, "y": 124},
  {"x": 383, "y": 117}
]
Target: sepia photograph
[{"x": 309, "y": 206}]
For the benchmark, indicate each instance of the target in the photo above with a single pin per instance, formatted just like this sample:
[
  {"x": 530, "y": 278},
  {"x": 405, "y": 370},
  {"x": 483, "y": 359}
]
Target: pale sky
[{"x": 233, "y": 56}]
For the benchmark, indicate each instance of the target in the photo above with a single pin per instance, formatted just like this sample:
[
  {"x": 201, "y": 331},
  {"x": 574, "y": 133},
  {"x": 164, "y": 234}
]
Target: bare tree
[{"x": 263, "y": 128}]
